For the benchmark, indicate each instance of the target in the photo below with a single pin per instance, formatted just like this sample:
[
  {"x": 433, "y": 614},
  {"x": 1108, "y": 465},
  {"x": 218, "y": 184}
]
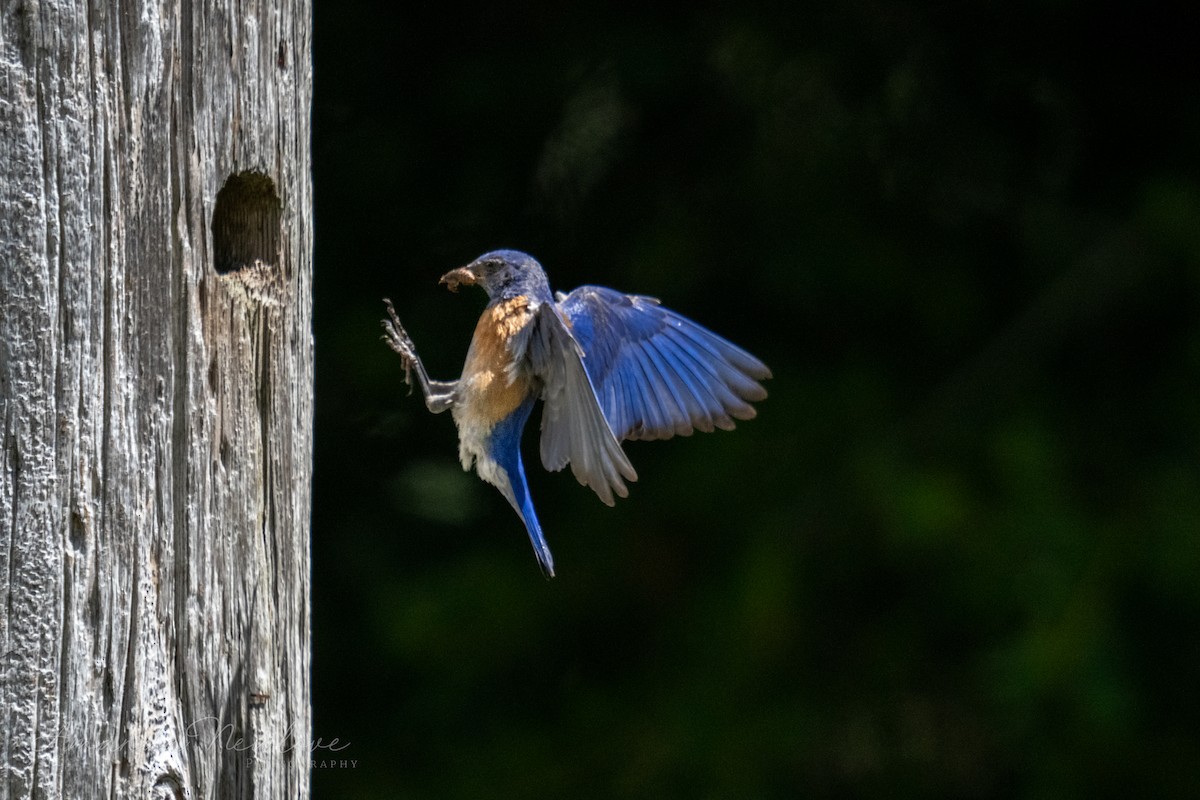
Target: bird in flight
[{"x": 607, "y": 367}]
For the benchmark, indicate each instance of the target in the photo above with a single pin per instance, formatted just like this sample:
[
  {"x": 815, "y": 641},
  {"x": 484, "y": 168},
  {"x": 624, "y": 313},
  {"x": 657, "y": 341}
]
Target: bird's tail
[
  {"x": 506, "y": 444},
  {"x": 540, "y": 548},
  {"x": 518, "y": 496}
]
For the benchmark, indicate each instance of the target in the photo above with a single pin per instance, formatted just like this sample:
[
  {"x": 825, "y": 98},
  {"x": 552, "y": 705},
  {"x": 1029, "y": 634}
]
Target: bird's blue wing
[
  {"x": 656, "y": 373},
  {"x": 574, "y": 428}
]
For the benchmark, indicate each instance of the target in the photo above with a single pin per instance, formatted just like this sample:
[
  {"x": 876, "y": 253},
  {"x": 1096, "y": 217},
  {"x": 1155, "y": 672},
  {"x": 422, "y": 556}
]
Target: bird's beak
[{"x": 463, "y": 275}]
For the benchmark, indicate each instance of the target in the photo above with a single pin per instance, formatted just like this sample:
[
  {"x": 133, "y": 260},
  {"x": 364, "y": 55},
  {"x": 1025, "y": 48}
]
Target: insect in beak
[{"x": 461, "y": 276}]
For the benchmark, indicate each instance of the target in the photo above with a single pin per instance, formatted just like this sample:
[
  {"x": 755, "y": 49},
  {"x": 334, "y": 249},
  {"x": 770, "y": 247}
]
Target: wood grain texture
[{"x": 155, "y": 414}]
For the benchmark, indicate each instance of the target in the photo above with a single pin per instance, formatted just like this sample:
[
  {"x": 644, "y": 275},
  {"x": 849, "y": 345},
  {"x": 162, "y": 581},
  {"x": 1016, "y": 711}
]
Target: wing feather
[
  {"x": 574, "y": 428},
  {"x": 655, "y": 373}
]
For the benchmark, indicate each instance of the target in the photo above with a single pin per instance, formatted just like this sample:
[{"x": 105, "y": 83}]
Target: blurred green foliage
[{"x": 956, "y": 555}]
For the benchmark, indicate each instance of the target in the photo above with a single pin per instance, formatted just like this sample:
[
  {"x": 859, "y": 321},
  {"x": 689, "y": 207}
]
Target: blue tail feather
[
  {"x": 540, "y": 548},
  {"x": 505, "y": 446}
]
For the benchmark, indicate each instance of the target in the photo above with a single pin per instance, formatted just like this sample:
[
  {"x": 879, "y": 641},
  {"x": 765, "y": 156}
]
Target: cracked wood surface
[{"x": 155, "y": 414}]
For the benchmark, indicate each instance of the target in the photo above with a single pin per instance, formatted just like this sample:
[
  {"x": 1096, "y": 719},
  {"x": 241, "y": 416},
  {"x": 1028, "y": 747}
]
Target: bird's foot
[{"x": 398, "y": 339}]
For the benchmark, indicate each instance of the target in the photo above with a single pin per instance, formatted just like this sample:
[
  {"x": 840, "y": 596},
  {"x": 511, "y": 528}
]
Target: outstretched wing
[
  {"x": 656, "y": 373},
  {"x": 574, "y": 428}
]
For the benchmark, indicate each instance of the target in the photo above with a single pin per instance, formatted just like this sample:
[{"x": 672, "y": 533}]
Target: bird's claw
[{"x": 398, "y": 339}]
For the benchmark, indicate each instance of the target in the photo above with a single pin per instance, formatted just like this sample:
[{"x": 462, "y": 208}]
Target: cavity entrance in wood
[{"x": 245, "y": 223}]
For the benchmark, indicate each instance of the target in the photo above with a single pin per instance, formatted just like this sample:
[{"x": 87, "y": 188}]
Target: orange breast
[{"x": 485, "y": 389}]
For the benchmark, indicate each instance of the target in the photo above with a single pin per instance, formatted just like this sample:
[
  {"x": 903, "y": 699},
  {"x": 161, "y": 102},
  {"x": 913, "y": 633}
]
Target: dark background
[{"x": 956, "y": 555}]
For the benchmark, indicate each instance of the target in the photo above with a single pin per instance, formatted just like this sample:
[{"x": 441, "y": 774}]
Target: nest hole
[{"x": 245, "y": 224}]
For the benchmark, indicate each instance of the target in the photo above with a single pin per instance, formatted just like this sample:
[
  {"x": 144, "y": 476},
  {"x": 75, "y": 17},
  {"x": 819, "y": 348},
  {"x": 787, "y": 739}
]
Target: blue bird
[{"x": 607, "y": 366}]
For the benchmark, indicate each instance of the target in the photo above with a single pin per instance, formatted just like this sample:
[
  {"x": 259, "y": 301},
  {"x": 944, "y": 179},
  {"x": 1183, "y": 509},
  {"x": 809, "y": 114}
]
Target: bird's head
[{"x": 502, "y": 274}]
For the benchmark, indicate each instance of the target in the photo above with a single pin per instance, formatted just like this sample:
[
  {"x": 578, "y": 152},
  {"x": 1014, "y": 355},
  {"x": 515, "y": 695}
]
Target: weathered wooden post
[{"x": 155, "y": 398}]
